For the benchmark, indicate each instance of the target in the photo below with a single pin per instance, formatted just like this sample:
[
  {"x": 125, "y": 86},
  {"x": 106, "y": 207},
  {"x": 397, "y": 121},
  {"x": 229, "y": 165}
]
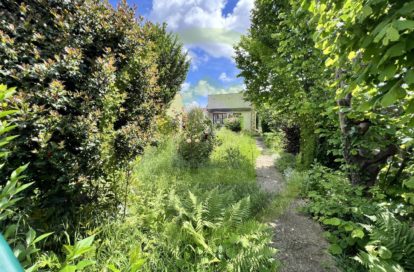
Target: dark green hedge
[{"x": 91, "y": 80}]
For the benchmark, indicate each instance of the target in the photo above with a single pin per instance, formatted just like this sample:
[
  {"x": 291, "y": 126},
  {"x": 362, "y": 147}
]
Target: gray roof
[{"x": 227, "y": 101}]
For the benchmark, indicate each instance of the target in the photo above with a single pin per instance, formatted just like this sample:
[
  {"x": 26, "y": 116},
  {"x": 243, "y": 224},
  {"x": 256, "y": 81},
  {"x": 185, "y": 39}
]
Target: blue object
[{"x": 8, "y": 262}]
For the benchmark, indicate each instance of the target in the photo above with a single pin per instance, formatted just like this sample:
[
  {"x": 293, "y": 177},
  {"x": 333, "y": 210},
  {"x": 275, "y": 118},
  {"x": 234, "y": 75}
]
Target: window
[{"x": 218, "y": 118}]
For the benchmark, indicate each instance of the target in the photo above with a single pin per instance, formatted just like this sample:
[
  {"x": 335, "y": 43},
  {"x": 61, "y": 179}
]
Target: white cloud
[
  {"x": 185, "y": 86},
  {"x": 192, "y": 105},
  {"x": 202, "y": 89},
  {"x": 201, "y": 23},
  {"x": 196, "y": 60},
  {"x": 225, "y": 78}
]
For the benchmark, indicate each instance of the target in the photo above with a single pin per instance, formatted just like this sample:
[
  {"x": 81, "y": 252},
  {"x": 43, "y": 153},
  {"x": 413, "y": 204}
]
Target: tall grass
[{"x": 185, "y": 219}]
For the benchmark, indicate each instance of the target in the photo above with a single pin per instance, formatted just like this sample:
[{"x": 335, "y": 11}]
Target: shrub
[
  {"x": 285, "y": 161},
  {"x": 91, "y": 80},
  {"x": 391, "y": 245},
  {"x": 356, "y": 223},
  {"x": 234, "y": 157},
  {"x": 13, "y": 221},
  {"x": 273, "y": 141},
  {"x": 168, "y": 125},
  {"x": 198, "y": 139},
  {"x": 234, "y": 123}
]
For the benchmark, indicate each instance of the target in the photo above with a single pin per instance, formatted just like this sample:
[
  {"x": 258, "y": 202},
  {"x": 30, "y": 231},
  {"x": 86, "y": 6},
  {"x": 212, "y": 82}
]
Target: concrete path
[{"x": 298, "y": 239}]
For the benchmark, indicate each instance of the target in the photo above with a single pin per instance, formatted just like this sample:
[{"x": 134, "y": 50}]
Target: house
[{"x": 222, "y": 106}]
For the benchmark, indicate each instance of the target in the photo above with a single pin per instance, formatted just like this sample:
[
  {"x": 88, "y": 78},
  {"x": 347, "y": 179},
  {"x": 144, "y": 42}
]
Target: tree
[
  {"x": 370, "y": 46},
  {"x": 282, "y": 69},
  {"x": 91, "y": 82}
]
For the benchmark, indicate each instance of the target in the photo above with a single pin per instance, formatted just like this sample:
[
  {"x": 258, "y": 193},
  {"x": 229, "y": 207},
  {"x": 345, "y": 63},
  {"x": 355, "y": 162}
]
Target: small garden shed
[{"x": 222, "y": 106}]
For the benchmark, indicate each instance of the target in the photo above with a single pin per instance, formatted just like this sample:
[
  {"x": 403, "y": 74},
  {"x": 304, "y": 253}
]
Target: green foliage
[
  {"x": 273, "y": 141},
  {"x": 378, "y": 51},
  {"x": 285, "y": 162},
  {"x": 21, "y": 237},
  {"x": 234, "y": 123},
  {"x": 197, "y": 140},
  {"x": 340, "y": 72},
  {"x": 355, "y": 223},
  {"x": 283, "y": 75},
  {"x": 235, "y": 158},
  {"x": 184, "y": 219},
  {"x": 391, "y": 245},
  {"x": 168, "y": 125},
  {"x": 91, "y": 80},
  {"x": 211, "y": 235}
]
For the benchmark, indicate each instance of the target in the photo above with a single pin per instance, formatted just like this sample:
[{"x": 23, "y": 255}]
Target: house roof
[{"x": 227, "y": 101}]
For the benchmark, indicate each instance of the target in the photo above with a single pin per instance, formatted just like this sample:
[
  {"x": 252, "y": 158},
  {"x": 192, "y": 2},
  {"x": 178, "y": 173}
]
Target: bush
[
  {"x": 21, "y": 237},
  {"x": 198, "y": 139},
  {"x": 234, "y": 123},
  {"x": 285, "y": 161},
  {"x": 91, "y": 81},
  {"x": 168, "y": 125},
  {"x": 358, "y": 224},
  {"x": 273, "y": 141}
]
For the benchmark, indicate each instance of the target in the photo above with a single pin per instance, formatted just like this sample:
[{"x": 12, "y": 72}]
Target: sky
[{"x": 208, "y": 30}]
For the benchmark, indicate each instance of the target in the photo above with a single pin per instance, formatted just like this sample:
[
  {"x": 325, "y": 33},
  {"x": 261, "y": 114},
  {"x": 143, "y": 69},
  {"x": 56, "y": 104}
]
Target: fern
[
  {"x": 207, "y": 234},
  {"x": 391, "y": 247},
  {"x": 237, "y": 213}
]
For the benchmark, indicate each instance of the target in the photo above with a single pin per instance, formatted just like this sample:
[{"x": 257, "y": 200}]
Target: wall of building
[{"x": 247, "y": 120}]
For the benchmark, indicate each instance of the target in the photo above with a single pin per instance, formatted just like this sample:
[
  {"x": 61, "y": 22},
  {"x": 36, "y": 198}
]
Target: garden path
[{"x": 301, "y": 246}]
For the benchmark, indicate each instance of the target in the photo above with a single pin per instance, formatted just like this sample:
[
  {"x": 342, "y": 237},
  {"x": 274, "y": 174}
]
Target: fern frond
[{"x": 237, "y": 213}]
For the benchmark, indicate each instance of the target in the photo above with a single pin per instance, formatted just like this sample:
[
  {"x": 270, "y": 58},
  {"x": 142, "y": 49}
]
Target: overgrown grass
[
  {"x": 185, "y": 219},
  {"x": 280, "y": 202}
]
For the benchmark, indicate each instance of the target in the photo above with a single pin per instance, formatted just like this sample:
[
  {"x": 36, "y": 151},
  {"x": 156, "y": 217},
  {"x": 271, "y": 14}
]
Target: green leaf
[
  {"x": 409, "y": 77},
  {"x": 366, "y": 12},
  {"x": 68, "y": 268},
  {"x": 402, "y": 25},
  {"x": 113, "y": 268},
  {"x": 83, "y": 264},
  {"x": 385, "y": 253},
  {"x": 6, "y": 113},
  {"x": 332, "y": 221},
  {"x": 410, "y": 107},
  {"x": 87, "y": 242},
  {"x": 391, "y": 34},
  {"x": 42, "y": 237},
  {"x": 410, "y": 183},
  {"x": 365, "y": 106},
  {"x": 392, "y": 96},
  {"x": 388, "y": 72},
  {"x": 357, "y": 233},
  {"x": 335, "y": 249}
]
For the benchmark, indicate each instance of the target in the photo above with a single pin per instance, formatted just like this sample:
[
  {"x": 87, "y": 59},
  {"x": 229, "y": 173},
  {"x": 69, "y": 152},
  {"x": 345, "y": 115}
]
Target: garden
[{"x": 96, "y": 176}]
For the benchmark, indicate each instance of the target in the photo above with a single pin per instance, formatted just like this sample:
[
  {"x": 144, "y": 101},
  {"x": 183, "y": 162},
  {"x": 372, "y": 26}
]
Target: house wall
[
  {"x": 248, "y": 118},
  {"x": 176, "y": 109}
]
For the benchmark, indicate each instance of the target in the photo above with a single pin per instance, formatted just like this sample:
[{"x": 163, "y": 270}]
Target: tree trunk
[{"x": 363, "y": 167}]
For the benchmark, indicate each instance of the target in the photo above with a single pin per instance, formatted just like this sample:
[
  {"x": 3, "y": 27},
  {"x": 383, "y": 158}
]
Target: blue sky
[{"x": 208, "y": 29}]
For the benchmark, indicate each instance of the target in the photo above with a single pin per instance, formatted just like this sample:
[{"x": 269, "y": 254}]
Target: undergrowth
[{"x": 192, "y": 219}]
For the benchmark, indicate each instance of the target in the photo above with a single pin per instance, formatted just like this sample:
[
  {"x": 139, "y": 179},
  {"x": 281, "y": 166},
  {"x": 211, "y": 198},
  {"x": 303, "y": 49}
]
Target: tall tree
[
  {"x": 282, "y": 68},
  {"x": 370, "y": 45}
]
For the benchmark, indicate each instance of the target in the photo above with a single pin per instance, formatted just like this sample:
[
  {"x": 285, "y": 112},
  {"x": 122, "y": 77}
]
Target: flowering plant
[{"x": 198, "y": 140}]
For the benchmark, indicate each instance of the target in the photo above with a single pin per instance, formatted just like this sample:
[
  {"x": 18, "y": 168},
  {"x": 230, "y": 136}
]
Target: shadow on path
[{"x": 298, "y": 239}]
